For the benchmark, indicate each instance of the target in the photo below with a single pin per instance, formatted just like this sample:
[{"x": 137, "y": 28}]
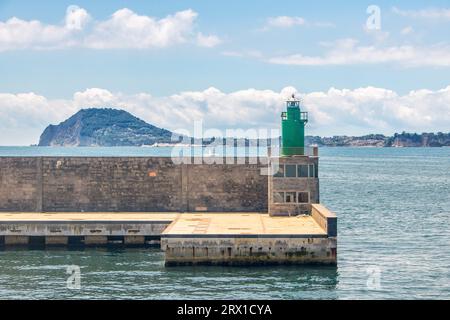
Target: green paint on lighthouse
[{"x": 293, "y": 122}]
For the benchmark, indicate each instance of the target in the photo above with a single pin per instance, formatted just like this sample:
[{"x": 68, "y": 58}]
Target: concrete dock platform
[
  {"x": 96, "y": 228},
  {"x": 242, "y": 224},
  {"x": 248, "y": 238},
  {"x": 228, "y": 238}
]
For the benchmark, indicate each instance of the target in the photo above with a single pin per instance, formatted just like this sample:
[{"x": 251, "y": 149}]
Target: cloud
[
  {"x": 292, "y": 21},
  {"x": 19, "y": 34},
  {"x": 24, "y": 115},
  {"x": 285, "y": 21},
  {"x": 95, "y": 97},
  {"x": 336, "y": 111},
  {"x": 432, "y": 13},
  {"x": 243, "y": 54},
  {"x": 208, "y": 41},
  {"x": 124, "y": 29},
  {"x": 348, "y": 52}
]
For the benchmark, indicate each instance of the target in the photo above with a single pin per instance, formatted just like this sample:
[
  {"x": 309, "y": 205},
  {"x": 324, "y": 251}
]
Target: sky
[{"x": 360, "y": 67}]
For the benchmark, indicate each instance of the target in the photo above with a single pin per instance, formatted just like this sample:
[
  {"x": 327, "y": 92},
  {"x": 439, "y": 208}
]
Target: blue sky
[{"x": 174, "y": 47}]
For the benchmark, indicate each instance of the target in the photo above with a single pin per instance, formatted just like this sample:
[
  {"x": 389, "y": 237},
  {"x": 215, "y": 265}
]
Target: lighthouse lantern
[{"x": 293, "y": 122}]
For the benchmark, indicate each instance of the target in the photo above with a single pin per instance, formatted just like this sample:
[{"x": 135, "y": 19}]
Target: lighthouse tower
[
  {"x": 293, "y": 122},
  {"x": 294, "y": 180}
]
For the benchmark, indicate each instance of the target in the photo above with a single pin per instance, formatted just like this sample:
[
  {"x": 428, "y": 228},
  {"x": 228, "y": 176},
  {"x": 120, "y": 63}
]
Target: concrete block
[
  {"x": 95, "y": 240},
  {"x": 325, "y": 218},
  {"x": 56, "y": 240},
  {"x": 16, "y": 240},
  {"x": 134, "y": 240}
]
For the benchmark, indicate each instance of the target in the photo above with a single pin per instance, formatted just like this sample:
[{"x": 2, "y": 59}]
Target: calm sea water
[{"x": 393, "y": 207}]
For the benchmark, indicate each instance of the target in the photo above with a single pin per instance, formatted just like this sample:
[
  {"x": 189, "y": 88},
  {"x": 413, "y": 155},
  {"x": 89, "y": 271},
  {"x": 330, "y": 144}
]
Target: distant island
[
  {"x": 103, "y": 127},
  {"x": 111, "y": 127}
]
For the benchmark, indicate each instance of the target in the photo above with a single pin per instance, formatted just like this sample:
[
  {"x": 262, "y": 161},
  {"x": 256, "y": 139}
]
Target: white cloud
[
  {"x": 243, "y": 53},
  {"x": 348, "y": 52},
  {"x": 23, "y": 116},
  {"x": 285, "y": 21},
  {"x": 208, "y": 41},
  {"x": 19, "y": 34},
  {"x": 95, "y": 97},
  {"x": 124, "y": 29},
  {"x": 336, "y": 111},
  {"x": 431, "y": 13},
  {"x": 292, "y": 21}
]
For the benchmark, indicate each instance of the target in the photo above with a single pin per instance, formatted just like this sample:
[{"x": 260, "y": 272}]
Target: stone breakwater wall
[
  {"x": 257, "y": 250},
  {"x": 130, "y": 184}
]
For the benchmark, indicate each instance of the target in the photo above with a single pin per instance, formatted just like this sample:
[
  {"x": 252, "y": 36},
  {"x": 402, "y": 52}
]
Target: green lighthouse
[{"x": 293, "y": 122}]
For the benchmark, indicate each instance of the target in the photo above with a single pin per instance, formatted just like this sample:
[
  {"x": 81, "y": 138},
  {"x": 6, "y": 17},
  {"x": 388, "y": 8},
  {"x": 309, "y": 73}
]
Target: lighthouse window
[
  {"x": 278, "y": 172},
  {"x": 278, "y": 197},
  {"x": 290, "y": 171},
  {"x": 303, "y": 171},
  {"x": 311, "y": 171},
  {"x": 291, "y": 197},
  {"x": 303, "y": 197}
]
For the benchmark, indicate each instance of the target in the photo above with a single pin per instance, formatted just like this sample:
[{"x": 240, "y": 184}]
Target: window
[
  {"x": 311, "y": 171},
  {"x": 278, "y": 172},
  {"x": 278, "y": 197},
  {"x": 303, "y": 170},
  {"x": 290, "y": 171},
  {"x": 303, "y": 197},
  {"x": 291, "y": 197}
]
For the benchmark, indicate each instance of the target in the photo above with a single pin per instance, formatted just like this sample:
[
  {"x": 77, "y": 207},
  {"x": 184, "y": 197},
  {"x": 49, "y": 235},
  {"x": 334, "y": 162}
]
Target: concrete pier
[
  {"x": 248, "y": 238},
  {"x": 244, "y": 211},
  {"x": 187, "y": 238}
]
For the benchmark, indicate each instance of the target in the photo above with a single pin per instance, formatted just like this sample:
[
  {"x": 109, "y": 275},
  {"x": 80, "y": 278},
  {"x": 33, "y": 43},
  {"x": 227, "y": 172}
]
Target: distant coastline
[
  {"x": 107, "y": 127},
  {"x": 399, "y": 140}
]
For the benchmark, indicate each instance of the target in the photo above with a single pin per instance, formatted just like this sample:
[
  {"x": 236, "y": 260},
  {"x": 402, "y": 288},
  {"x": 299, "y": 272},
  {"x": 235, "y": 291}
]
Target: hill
[{"x": 103, "y": 127}]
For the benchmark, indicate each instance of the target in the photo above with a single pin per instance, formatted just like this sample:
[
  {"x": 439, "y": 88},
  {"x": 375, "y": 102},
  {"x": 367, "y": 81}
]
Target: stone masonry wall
[
  {"x": 134, "y": 184},
  {"x": 20, "y": 180},
  {"x": 297, "y": 184},
  {"x": 236, "y": 187}
]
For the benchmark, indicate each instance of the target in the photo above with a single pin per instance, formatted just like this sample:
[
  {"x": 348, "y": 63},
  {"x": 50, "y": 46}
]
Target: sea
[{"x": 393, "y": 208}]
